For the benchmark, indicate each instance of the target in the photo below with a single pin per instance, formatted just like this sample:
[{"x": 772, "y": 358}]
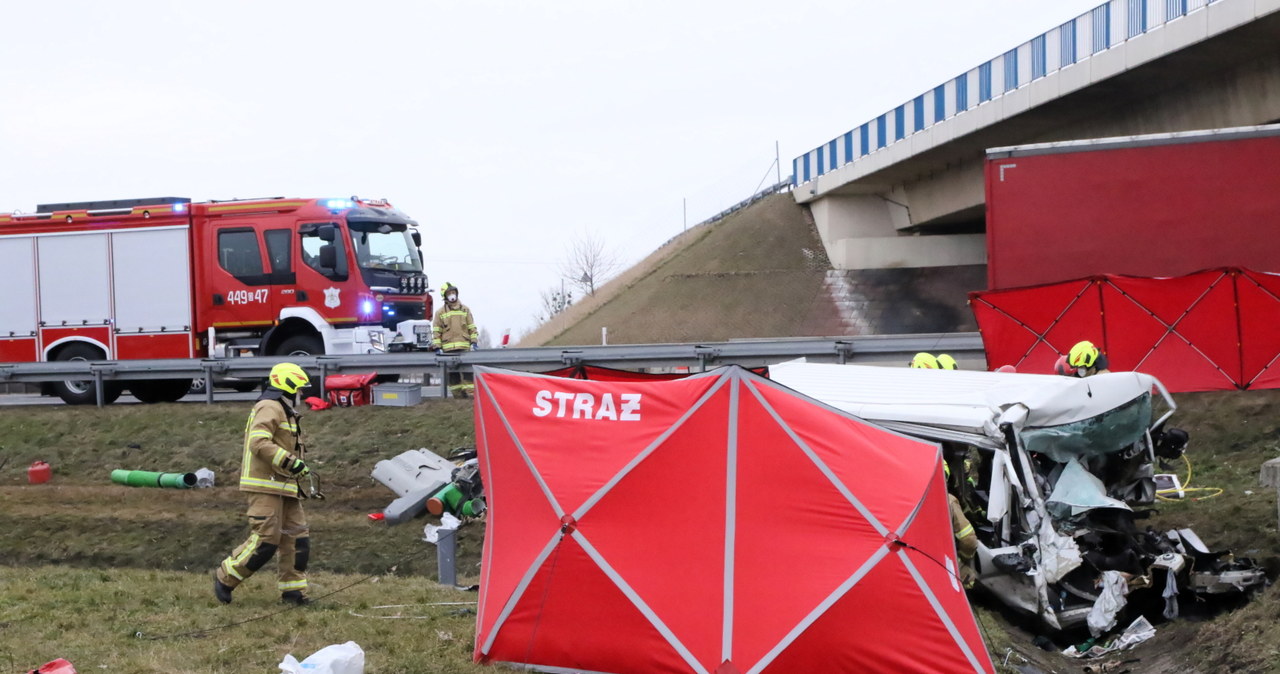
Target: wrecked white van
[{"x": 1055, "y": 474}]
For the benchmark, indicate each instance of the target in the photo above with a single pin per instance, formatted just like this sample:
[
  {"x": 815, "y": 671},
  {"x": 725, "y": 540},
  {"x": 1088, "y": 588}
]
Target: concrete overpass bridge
[{"x": 906, "y": 189}]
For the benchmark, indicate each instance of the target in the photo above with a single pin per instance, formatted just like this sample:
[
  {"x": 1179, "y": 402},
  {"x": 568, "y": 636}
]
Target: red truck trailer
[
  {"x": 169, "y": 278},
  {"x": 1156, "y": 205}
]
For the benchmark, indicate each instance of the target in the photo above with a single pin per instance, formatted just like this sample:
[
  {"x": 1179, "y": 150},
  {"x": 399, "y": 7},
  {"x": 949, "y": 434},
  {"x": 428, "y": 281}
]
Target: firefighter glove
[
  {"x": 297, "y": 467},
  {"x": 439, "y": 352}
]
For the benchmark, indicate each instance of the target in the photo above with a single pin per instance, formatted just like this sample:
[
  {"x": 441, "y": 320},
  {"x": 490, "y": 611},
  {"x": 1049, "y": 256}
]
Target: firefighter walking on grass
[
  {"x": 453, "y": 332},
  {"x": 271, "y": 463}
]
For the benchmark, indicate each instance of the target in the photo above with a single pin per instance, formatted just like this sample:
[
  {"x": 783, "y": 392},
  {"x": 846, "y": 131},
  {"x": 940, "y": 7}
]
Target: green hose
[{"x": 146, "y": 478}]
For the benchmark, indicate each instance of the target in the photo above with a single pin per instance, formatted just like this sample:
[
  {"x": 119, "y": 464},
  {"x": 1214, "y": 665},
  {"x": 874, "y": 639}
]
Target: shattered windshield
[
  {"x": 1105, "y": 433},
  {"x": 390, "y": 249}
]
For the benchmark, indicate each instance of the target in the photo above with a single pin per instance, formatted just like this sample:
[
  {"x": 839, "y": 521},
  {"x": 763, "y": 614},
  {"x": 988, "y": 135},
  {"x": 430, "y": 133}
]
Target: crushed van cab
[{"x": 1056, "y": 474}]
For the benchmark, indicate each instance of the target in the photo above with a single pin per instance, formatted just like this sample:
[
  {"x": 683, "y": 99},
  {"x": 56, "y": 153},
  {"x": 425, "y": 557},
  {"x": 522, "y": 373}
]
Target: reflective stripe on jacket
[
  {"x": 270, "y": 439},
  {"x": 454, "y": 328}
]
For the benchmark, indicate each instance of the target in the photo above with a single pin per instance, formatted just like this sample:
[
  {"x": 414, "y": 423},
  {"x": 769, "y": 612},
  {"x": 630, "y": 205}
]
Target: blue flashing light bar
[
  {"x": 339, "y": 204},
  {"x": 179, "y": 208}
]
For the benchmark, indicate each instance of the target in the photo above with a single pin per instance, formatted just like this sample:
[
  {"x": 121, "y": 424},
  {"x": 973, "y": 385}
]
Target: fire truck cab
[{"x": 169, "y": 278}]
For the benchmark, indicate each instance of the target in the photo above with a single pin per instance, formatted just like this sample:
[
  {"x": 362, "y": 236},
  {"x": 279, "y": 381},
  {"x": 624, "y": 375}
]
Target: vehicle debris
[
  {"x": 427, "y": 482},
  {"x": 1056, "y": 474}
]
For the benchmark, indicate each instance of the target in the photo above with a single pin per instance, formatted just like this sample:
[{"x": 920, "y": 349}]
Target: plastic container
[
  {"x": 39, "y": 473},
  {"x": 397, "y": 394}
]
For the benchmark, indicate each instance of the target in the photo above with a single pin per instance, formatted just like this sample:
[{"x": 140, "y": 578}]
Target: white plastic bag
[
  {"x": 431, "y": 532},
  {"x": 204, "y": 478},
  {"x": 345, "y": 658}
]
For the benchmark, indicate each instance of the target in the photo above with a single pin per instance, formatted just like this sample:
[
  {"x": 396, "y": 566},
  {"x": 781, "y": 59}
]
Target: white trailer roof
[{"x": 963, "y": 402}]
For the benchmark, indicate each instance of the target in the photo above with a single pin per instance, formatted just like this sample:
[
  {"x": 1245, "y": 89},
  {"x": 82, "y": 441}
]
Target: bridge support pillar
[{"x": 861, "y": 232}]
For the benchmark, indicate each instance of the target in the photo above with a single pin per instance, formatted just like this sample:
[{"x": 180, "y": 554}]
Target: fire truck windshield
[{"x": 386, "y": 248}]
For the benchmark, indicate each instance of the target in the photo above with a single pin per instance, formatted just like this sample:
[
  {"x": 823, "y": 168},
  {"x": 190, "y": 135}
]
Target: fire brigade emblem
[{"x": 331, "y": 298}]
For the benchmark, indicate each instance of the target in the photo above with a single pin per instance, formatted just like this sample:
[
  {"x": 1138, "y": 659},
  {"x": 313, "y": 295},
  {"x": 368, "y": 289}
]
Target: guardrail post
[
  {"x": 444, "y": 376},
  {"x": 705, "y": 355},
  {"x": 844, "y": 350},
  {"x": 324, "y": 374},
  {"x": 97, "y": 386},
  {"x": 208, "y": 382}
]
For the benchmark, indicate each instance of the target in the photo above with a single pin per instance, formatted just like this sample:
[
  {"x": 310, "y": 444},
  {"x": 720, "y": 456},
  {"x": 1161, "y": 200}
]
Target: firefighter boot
[
  {"x": 221, "y": 590},
  {"x": 295, "y": 597}
]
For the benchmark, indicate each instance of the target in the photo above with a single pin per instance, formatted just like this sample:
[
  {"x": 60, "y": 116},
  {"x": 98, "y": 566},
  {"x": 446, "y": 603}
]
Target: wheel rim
[{"x": 78, "y": 386}]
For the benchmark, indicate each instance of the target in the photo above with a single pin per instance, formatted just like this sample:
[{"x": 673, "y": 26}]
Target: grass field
[
  {"x": 85, "y": 565},
  {"x": 762, "y": 268}
]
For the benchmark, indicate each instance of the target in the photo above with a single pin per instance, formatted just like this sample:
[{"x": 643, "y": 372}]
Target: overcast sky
[{"x": 506, "y": 128}]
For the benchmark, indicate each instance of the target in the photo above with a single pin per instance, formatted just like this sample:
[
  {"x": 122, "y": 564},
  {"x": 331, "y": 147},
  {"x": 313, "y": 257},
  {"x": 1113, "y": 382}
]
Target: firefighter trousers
[
  {"x": 277, "y": 527},
  {"x": 460, "y": 385}
]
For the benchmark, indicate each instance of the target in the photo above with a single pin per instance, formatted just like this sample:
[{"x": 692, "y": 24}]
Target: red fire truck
[{"x": 169, "y": 278}]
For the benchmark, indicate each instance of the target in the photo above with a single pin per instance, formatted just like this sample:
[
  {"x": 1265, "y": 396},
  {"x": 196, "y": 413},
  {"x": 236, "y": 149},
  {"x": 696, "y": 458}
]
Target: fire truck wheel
[
  {"x": 160, "y": 390},
  {"x": 82, "y": 392},
  {"x": 300, "y": 345}
]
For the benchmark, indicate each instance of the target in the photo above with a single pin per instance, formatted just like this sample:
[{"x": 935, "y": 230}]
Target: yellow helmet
[
  {"x": 924, "y": 361},
  {"x": 288, "y": 378},
  {"x": 1083, "y": 354},
  {"x": 946, "y": 362},
  {"x": 444, "y": 289}
]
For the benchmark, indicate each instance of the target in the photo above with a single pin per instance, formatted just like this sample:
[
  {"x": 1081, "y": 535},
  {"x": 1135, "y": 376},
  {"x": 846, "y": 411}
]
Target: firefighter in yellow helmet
[
  {"x": 453, "y": 332},
  {"x": 928, "y": 361},
  {"x": 1084, "y": 359},
  {"x": 272, "y": 461}
]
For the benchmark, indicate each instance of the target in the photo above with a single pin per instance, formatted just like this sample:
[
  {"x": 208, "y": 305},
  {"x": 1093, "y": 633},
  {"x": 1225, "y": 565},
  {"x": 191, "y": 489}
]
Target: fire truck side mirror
[
  {"x": 329, "y": 256},
  {"x": 327, "y": 233},
  {"x": 417, "y": 239}
]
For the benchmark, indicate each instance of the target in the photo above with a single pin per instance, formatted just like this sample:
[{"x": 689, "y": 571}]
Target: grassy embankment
[{"x": 85, "y": 565}]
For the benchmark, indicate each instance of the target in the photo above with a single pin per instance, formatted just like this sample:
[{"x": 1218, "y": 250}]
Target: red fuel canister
[{"x": 39, "y": 472}]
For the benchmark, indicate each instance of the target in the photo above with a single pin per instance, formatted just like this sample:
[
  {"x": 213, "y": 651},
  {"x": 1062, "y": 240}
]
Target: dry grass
[
  {"x": 758, "y": 273},
  {"x": 147, "y": 621},
  {"x": 85, "y": 564}
]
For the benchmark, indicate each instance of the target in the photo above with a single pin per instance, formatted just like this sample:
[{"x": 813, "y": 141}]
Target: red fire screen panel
[{"x": 1217, "y": 329}]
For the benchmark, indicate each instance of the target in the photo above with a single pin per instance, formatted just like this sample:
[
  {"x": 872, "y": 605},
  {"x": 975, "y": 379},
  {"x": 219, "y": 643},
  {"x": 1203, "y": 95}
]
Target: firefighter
[
  {"x": 966, "y": 539},
  {"x": 1084, "y": 359},
  {"x": 452, "y": 332},
  {"x": 928, "y": 361},
  {"x": 271, "y": 465}
]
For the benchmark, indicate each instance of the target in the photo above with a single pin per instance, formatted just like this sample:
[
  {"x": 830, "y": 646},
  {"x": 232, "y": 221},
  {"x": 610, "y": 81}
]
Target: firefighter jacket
[
  {"x": 454, "y": 329},
  {"x": 271, "y": 439},
  {"x": 966, "y": 540}
]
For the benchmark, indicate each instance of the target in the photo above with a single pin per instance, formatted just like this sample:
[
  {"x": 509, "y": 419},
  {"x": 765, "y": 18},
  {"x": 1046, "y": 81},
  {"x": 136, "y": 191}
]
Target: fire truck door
[
  {"x": 283, "y": 278},
  {"x": 240, "y": 285},
  {"x": 325, "y": 278}
]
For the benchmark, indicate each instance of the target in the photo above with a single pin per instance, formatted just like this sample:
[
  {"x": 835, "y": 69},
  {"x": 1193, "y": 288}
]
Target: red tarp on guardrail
[{"x": 1212, "y": 330}]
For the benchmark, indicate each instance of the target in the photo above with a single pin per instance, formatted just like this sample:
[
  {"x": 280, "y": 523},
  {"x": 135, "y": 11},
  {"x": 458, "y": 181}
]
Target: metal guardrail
[{"x": 896, "y": 349}]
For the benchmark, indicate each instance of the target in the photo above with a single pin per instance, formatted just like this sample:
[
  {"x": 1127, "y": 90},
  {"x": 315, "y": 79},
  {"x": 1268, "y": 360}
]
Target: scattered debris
[
  {"x": 59, "y": 666},
  {"x": 431, "y": 532},
  {"x": 1137, "y": 632},
  {"x": 205, "y": 478},
  {"x": 345, "y": 658},
  {"x": 147, "y": 478},
  {"x": 430, "y": 483}
]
